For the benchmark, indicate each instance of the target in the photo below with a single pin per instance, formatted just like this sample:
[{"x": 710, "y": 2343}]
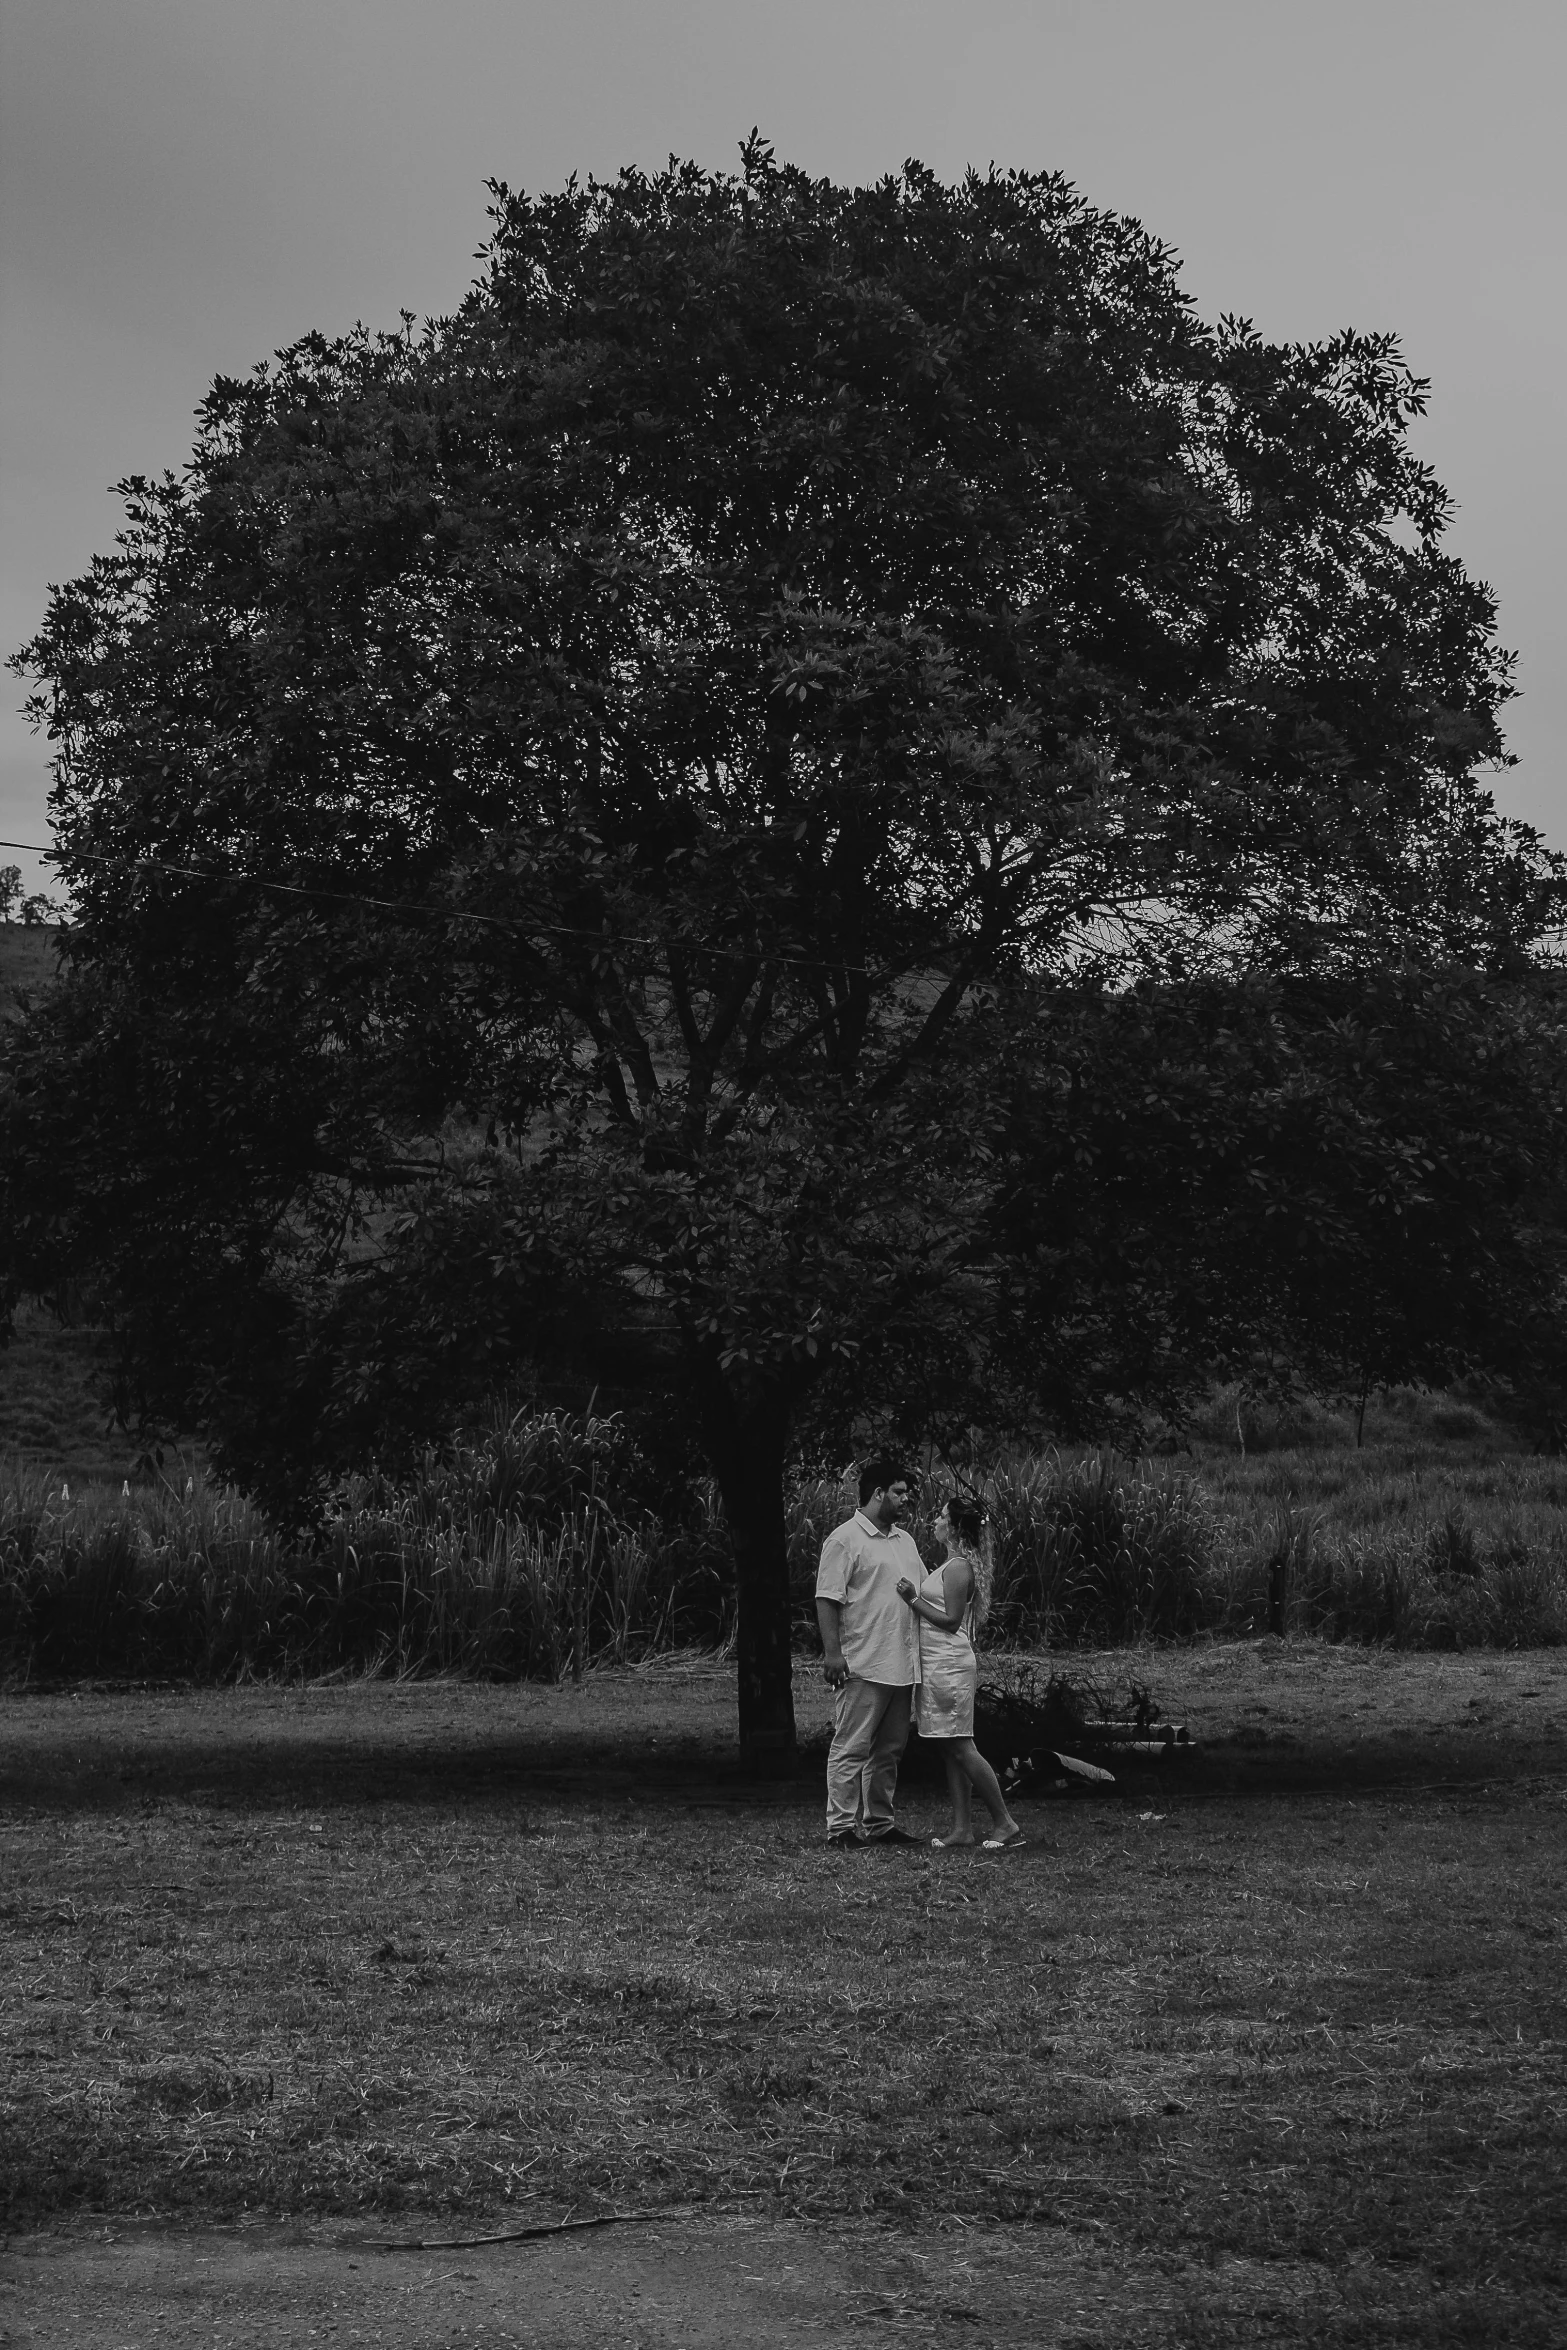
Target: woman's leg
[
  {"x": 962, "y": 1800},
  {"x": 971, "y": 1762}
]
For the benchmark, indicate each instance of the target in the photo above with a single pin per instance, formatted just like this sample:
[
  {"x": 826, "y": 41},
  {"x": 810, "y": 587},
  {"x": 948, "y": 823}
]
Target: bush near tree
[{"x": 823, "y": 808}]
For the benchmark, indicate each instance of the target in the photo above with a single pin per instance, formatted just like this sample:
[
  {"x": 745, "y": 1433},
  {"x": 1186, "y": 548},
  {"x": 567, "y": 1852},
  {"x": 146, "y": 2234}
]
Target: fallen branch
[{"x": 553, "y": 2227}]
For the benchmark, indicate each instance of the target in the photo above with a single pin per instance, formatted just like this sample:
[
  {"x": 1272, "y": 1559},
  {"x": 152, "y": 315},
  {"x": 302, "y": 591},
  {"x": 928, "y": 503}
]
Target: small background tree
[{"x": 30, "y": 908}]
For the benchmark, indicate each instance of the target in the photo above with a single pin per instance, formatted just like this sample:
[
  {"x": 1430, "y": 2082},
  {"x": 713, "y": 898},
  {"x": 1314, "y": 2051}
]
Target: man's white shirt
[{"x": 860, "y": 1568}]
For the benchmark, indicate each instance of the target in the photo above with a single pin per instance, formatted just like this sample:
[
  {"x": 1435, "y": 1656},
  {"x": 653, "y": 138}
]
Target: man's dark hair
[{"x": 880, "y": 1471}]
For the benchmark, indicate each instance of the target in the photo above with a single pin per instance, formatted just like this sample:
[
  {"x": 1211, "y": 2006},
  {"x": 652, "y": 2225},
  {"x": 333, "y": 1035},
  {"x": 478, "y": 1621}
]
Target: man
[{"x": 871, "y": 1655}]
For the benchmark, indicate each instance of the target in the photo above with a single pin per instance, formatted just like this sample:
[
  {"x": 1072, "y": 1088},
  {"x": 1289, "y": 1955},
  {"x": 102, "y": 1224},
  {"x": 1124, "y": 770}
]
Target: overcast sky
[{"x": 187, "y": 184}]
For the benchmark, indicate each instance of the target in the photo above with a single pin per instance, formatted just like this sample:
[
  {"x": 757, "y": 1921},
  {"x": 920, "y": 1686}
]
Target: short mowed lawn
[{"x": 1290, "y": 2027}]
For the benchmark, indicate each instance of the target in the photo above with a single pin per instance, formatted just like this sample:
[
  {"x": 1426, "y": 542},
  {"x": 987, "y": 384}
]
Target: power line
[{"x": 343, "y": 897}]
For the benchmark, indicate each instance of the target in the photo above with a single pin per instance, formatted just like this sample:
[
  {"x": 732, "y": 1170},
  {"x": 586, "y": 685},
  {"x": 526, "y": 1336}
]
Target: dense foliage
[
  {"x": 1341, "y": 1182},
  {"x": 611, "y": 836}
]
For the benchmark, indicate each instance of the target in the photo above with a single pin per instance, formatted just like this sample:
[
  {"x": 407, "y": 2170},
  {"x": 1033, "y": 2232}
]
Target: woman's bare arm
[{"x": 957, "y": 1582}]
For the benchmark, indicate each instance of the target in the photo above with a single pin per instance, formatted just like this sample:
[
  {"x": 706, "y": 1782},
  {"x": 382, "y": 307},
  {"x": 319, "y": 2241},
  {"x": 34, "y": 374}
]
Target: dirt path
[{"x": 691, "y": 2285}]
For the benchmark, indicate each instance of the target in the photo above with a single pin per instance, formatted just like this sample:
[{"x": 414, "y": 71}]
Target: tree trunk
[{"x": 747, "y": 1452}]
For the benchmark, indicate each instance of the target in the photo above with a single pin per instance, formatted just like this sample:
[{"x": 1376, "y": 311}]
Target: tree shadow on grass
[
  {"x": 54, "y": 1762},
  {"x": 105, "y": 1750}
]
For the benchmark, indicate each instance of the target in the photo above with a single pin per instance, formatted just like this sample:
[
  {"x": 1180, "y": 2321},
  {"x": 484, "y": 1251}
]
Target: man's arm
[
  {"x": 829, "y": 1618},
  {"x": 832, "y": 1584}
]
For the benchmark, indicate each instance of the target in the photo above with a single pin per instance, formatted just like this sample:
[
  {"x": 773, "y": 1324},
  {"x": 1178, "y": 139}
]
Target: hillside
[
  {"x": 54, "y": 1417},
  {"x": 27, "y": 960}
]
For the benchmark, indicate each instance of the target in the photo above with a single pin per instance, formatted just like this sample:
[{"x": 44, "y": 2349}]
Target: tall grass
[
  {"x": 1086, "y": 1549},
  {"x": 1092, "y": 1550},
  {"x": 165, "y": 1582},
  {"x": 1444, "y": 1585},
  {"x": 532, "y": 1549},
  {"x": 515, "y": 1555}
]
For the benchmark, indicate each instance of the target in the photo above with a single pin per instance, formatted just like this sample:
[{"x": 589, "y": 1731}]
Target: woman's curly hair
[{"x": 970, "y": 1532}]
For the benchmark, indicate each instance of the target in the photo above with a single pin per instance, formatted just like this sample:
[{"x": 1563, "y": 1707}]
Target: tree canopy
[{"x": 597, "y": 827}]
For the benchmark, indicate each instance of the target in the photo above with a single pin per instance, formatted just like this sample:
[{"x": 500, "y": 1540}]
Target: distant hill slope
[
  {"x": 53, "y": 1416},
  {"x": 27, "y": 960}
]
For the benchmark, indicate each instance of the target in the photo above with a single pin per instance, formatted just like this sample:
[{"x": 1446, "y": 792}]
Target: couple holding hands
[{"x": 897, "y": 1645}]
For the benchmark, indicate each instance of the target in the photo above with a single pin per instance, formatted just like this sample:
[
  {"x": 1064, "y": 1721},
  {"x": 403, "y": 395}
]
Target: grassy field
[{"x": 1281, "y": 2045}]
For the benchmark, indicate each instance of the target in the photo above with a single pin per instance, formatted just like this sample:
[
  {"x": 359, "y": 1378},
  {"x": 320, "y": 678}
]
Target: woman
[{"x": 950, "y": 1599}]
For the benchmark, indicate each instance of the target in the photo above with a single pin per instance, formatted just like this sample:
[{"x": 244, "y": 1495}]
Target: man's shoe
[
  {"x": 895, "y": 1836},
  {"x": 846, "y": 1841}
]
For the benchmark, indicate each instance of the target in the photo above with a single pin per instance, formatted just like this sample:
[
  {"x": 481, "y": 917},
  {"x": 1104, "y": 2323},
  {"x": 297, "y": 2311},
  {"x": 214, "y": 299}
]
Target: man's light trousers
[{"x": 870, "y": 1731}]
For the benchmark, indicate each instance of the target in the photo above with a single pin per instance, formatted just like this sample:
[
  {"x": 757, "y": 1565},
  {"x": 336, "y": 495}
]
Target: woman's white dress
[{"x": 944, "y": 1700}]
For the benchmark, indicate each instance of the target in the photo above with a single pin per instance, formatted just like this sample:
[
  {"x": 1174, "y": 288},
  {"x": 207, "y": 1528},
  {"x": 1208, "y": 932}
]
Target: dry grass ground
[{"x": 1272, "y": 2054}]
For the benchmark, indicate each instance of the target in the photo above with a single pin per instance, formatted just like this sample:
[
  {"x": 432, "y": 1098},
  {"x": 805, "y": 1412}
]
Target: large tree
[{"x": 577, "y": 815}]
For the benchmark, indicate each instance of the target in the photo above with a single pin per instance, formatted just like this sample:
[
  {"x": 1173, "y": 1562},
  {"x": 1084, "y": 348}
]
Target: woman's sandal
[{"x": 1003, "y": 1843}]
